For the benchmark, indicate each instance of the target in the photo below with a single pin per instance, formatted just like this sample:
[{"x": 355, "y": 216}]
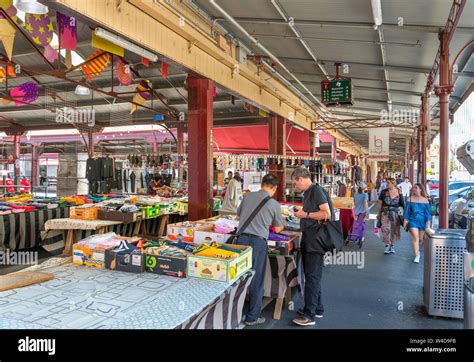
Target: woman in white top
[{"x": 233, "y": 196}]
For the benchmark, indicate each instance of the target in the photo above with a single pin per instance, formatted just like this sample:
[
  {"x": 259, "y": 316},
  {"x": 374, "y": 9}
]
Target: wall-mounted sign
[
  {"x": 379, "y": 144},
  {"x": 337, "y": 91}
]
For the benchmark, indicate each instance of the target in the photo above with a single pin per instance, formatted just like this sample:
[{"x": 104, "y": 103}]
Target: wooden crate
[{"x": 84, "y": 213}]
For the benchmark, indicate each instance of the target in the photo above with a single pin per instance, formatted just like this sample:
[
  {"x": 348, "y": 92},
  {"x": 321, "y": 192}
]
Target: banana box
[
  {"x": 91, "y": 254},
  {"x": 222, "y": 270},
  {"x": 168, "y": 265}
]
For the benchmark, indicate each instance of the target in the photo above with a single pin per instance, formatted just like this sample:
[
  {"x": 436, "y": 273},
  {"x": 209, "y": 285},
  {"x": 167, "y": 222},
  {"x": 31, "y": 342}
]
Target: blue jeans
[
  {"x": 313, "y": 271},
  {"x": 259, "y": 264}
]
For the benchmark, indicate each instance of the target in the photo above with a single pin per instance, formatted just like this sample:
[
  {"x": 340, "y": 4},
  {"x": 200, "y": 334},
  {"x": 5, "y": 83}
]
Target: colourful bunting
[
  {"x": 41, "y": 30},
  {"x": 7, "y": 31},
  {"x": 143, "y": 94},
  {"x": 25, "y": 93},
  {"x": 67, "y": 31},
  {"x": 94, "y": 67},
  {"x": 124, "y": 73},
  {"x": 164, "y": 69},
  {"x": 6, "y": 70}
]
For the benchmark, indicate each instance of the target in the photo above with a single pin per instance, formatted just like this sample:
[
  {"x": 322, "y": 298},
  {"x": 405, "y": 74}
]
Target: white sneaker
[
  {"x": 391, "y": 250},
  {"x": 387, "y": 249},
  {"x": 417, "y": 259}
]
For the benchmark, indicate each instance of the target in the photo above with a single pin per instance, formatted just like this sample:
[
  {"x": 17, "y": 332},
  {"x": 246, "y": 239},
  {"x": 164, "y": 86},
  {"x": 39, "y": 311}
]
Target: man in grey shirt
[{"x": 256, "y": 235}]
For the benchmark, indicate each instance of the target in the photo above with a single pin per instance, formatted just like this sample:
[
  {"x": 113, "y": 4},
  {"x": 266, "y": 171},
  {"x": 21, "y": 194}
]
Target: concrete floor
[{"x": 385, "y": 294}]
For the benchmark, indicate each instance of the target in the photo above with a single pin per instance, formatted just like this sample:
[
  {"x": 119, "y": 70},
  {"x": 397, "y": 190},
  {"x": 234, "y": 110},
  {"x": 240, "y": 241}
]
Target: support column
[
  {"x": 443, "y": 91},
  {"x": 418, "y": 153},
  {"x": 200, "y": 148},
  {"x": 411, "y": 167},
  {"x": 277, "y": 142},
  {"x": 91, "y": 143},
  {"x": 154, "y": 147},
  {"x": 312, "y": 153},
  {"x": 16, "y": 150},
  {"x": 424, "y": 124},
  {"x": 180, "y": 137},
  {"x": 34, "y": 165}
]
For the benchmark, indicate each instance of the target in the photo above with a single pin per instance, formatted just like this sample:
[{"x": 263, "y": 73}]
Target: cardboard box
[
  {"x": 168, "y": 265},
  {"x": 186, "y": 230},
  {"x": 208, "y": 237},
  {"x": 220, "y": 269},
  {"x": 280, "y": 247},
  {"x": 125, "y": 217},
  {"x": 343, "y": 202},
  {"x": 89, "y": 256},
  {"x": 133, "y": 262}
]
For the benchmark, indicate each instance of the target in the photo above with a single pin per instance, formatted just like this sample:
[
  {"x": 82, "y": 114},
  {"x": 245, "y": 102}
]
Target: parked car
[
  {"x": 453, "y": 185},
  {"x": 461, "y": 209},
  {"x": 452, "y": 196},
  {"x": 434, "y": 185}
]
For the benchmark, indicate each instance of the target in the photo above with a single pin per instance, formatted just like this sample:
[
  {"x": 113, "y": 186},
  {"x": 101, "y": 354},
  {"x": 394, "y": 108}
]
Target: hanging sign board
[
  {"x": 379, "y": 144},
  {"x": 337, "y": 91}
]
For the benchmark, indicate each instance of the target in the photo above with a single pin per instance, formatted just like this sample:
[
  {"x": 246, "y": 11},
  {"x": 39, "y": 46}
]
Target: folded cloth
[
  {"x": 52, "y": 206},
  {"x": 17, "y": 211},
  {"x": 5, "y": 212},
  {"x": 277, "y": 237}
]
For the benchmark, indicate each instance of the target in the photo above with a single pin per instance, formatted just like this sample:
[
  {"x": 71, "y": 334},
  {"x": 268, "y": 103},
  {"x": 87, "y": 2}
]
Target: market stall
[{"x": 90, "y": 298}]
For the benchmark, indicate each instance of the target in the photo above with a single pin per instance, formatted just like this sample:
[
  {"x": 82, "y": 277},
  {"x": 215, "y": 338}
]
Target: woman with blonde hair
[
  {"x": 417, "y": 217},
  {"x": 390, "y": 204}
]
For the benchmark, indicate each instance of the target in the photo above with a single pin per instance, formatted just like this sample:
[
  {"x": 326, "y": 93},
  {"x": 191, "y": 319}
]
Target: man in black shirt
[{"x": 315, "y": 210}]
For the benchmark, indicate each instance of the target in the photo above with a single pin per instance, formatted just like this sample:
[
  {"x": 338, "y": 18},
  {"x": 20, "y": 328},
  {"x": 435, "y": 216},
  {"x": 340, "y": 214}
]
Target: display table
[
  {"x": 83, "y": 297},
  {"x": 23, "y": 230},
  {"x": 71, "y": 226},
  {"x": 280, "y": 277}
]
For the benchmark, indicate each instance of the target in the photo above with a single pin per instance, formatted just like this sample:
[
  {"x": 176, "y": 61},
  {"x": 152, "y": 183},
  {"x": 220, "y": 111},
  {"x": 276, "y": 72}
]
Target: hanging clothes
[
  {"x": 125, "y": 180},
  {"x": 132, "y": 182}
]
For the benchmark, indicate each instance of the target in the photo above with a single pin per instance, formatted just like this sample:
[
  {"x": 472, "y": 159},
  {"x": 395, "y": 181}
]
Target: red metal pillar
[
  {"x": 200, "y": 148},
  {"x": 443, "y": 91},
  {"x": 34, "y": 165},
  {"x": 16, "y": 150},
  {"x": 411, "y": 169},
  {"x": 154, "y": 147},
  {"x": 312, "y": 153},
  {"x": 180, "y": 134},
  {"x": 418, "y": 153},
  {"x": 277, "y": 142},
  {"x": 424, "y": 124}
]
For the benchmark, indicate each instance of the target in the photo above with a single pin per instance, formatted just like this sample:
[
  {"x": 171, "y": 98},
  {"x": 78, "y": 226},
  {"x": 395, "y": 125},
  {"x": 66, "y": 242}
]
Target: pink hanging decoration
[
  {"x": 25, "y": 93},
  {"x": 50, "y": 54},
  {"x": 67, "y": 31}
]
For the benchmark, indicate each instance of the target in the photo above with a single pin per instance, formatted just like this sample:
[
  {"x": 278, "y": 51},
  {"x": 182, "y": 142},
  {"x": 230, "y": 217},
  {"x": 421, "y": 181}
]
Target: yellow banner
[{"x": 106, "y": 45}]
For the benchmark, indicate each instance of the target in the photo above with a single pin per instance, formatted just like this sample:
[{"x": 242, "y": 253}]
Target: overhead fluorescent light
[
  {"x": 377, "y": 12},
  {"x": 117, "y": 40},
  {"x": 31, "y": 6}
]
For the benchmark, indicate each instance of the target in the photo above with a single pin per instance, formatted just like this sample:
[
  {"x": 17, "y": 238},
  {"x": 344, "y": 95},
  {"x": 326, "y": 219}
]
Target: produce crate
[
  {"x": 183, "y": 208},
  {"x": 343, "y": 202},
  {"x": 125, "y": 217},
  {"x": 150, "y": 212},
  {"x": 84, "y": 213}
]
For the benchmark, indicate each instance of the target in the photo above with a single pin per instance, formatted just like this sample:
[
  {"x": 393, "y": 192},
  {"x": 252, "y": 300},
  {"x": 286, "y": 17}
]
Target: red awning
[{"x": 254, "y": 139}]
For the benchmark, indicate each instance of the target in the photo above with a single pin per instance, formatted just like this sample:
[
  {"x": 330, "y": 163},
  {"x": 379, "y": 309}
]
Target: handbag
[
  {"x": 328, "y": 236},
  {"x": 233, "y": 238}
]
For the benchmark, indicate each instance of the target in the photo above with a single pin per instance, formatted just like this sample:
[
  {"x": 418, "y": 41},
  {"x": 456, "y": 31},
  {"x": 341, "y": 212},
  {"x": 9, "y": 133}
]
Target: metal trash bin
[
  {"x": 469, "y": 290},
  {"x": 443, "y": 277}
]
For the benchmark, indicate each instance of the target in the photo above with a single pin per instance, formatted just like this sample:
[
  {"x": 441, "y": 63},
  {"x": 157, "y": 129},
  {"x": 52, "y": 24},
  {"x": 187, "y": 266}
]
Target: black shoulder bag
[
  {"x": 328, "y": 236},
  {"x": 233, "y": 238}
]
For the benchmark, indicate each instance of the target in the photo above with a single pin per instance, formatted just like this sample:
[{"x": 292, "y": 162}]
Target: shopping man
[
  {"x": 315, "y": 210},
  {"x": 405, "y": 187},
  {"x": 256, "y": 235}
]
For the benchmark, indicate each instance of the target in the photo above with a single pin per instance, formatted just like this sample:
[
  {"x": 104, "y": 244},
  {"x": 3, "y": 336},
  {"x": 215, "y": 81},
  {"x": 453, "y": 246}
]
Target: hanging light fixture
[
  {"x": 82, "y": 91},
  {"x": 31, "y": 6}
]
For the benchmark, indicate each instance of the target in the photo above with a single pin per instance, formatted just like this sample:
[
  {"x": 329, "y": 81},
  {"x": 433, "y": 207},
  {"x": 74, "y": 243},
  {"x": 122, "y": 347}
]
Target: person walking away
[
  {"x": 349, "y": 189},
  {"x": 361, "y": 202},
  {"x": 233, "y": 196},
  {"x": 315, "y": 210},
  {"x": 256, "y": 235},
  {"x": 383, "y": 185},
  {"x": 405, "y": 187},
  {"x": 390, "y": 204},
  {"x": 228, "y": 178},
  {"x": 370, "y": 187},
  {"x": 417, "y": 218},
  {"x": 399, "y": 179}
]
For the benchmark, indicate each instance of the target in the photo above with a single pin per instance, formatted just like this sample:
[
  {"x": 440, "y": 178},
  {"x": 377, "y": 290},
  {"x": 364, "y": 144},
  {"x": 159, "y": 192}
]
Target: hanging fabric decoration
[
  {"x": 67, "y": 28},
  {"x": 25, "y": 93},
  {"x": 262, "y": 113},
  {"x": 94, "y": 67},
  {"x": 143, "y": 94},
  {"x": 4, "y": 70},
  {"x": 146, "y": 62},
  {"x": 124, "y": 73},
  {"x": 246, "y": 106},
  {"x": 41, "y": 30},
  {"x": 251, "y": 108},
  {"x": 7, "y": 31},
  {"x": 67, "y": 31},
  {"x": 164, "y": 69},
  {"x": 214, "y": 91}
]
